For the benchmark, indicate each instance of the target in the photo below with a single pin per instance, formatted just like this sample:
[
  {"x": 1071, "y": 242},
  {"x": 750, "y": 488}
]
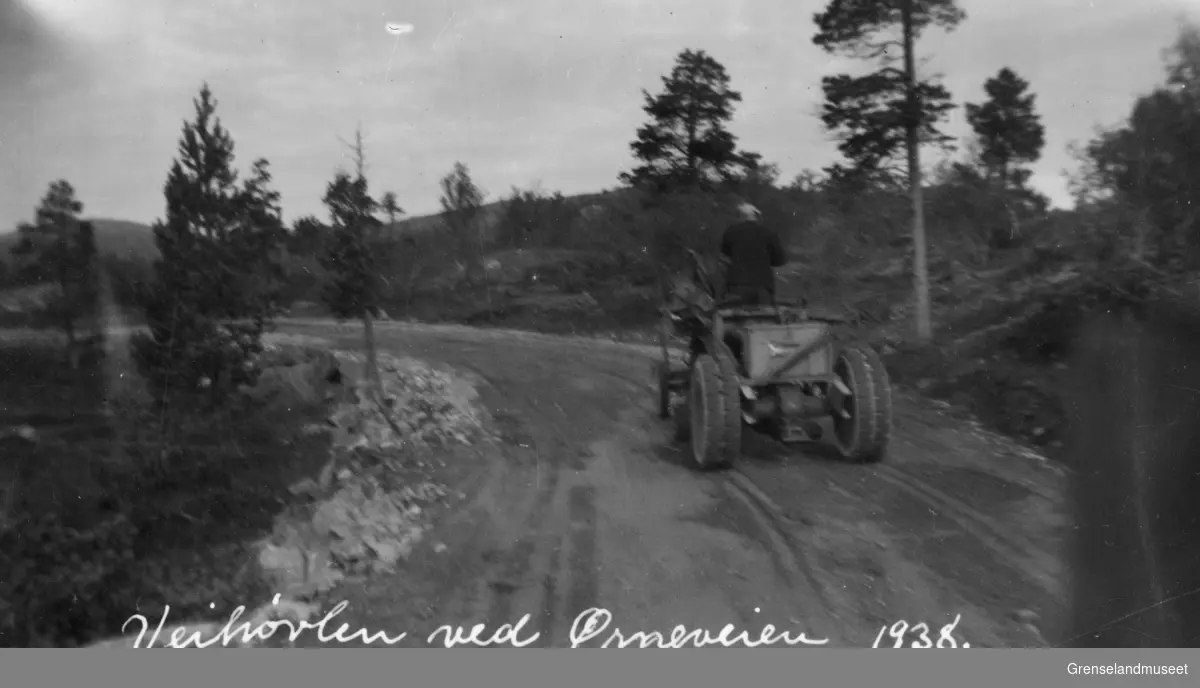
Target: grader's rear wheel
[
  {"x": 683, "y": 421},
  {"x": 715, "y": 414},
  {"x": 862, "y": 434},
  {"x": 731, "y": 391}
]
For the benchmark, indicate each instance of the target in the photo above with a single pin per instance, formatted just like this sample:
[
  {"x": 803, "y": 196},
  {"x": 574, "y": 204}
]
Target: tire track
[
  {"x": 786, "y": 551},
  {"x": 584, "y": 563},
  {"x": 544, "y": 542},
  {"x": 780, "y": 531},
  {"x": 772, "y": 522},
  {"x": 1010, "y": 546},
  {"x": 1001, "y": 539},
  {"x": 510, "y": 573},
  {"x": 914, "y": 586}
]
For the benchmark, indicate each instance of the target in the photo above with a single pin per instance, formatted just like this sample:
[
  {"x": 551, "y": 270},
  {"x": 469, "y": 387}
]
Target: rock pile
[{"x": 363, "y": 518}]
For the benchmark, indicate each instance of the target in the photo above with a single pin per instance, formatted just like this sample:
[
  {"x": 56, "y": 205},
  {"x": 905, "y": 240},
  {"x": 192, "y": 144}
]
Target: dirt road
[{"x": 590, "y": 505}]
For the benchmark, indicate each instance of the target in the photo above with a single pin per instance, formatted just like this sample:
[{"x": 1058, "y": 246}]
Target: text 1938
[{"x": 901, "y": 631}]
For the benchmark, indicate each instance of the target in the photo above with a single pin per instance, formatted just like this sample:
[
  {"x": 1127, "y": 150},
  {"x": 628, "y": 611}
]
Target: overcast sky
[{"x": 523, "y": 91}]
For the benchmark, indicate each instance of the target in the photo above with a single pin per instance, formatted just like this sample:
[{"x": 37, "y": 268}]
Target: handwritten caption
[
  {"x": 591, "y": 625},
  {"x": 901, "y": 631}
]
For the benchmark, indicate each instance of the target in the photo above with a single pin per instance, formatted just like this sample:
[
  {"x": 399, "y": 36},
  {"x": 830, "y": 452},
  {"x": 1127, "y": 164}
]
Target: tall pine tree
[
  {"x": 889, "y": 111},
  {"x": 214, "y": 285}
]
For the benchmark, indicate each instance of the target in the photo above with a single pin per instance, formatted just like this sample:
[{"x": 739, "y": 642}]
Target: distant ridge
[
  {"x": 127, "y": 239},
  {"x": 113, "y": 237}
]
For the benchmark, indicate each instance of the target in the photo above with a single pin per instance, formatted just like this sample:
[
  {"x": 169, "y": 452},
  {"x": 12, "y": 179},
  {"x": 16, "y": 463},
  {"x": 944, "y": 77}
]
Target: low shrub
[{"x": 160, "y": 509}]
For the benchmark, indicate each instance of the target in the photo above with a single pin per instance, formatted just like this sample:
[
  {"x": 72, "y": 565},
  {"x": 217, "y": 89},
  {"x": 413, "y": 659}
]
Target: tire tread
[{"x": 872, "y": 393}]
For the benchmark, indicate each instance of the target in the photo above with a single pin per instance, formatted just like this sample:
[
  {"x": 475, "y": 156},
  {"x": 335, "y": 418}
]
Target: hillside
[
  {"x": 127, "y": 239},
  {"x": 490, "y": 213},
  {"x": 120, "y": 238}
]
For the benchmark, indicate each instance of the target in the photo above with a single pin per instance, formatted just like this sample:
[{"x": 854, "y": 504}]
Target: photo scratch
[{"x": 443, "y": 31}]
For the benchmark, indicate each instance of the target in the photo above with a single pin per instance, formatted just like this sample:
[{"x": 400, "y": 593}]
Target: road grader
[{"x": 779, "y": 369}]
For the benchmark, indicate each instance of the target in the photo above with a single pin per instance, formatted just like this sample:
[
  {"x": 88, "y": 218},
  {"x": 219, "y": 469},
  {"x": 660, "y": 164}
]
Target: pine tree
[
  {"x": 59, "y": 247},
  {"x": 686, "y": 143},
  {"x": 1007, "y": 127},
  {"x": 307, "y": 236},
  {"x": 351, "y": 256},
  {"x": 1008, "y": 132},
  {"x": 390, "y": 207},
  {"x": 216, "y": 280},
  {"x": 890, "y": 110},
  {"x": 461, "y": 201}
]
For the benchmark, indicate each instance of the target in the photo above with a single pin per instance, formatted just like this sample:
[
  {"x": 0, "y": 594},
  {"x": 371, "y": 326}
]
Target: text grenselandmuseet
[
  {"x": 1127, "y": 669},
  {"x": 589, "y": 625}
]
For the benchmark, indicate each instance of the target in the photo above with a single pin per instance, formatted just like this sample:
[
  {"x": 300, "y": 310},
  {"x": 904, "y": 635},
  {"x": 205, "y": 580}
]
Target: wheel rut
[
  {"x": 1007, "y": 544},
  {"x": 513, "y": 584},
  {"x": 798, "y": 572}
]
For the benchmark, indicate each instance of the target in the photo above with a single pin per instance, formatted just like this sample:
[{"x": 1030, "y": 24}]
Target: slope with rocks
[{"x": 394, "y": 467}]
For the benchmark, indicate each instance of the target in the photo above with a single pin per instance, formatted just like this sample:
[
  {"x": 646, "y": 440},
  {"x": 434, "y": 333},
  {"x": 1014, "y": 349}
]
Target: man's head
[{"x": 749, "y": 212}]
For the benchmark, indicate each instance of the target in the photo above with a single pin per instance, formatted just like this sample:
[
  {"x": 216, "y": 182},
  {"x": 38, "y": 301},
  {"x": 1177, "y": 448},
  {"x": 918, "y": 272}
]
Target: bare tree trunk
[
  {"x": 64, "y": 286},
  {"x": 487, "y": 282},
  {"x": 67, "y": 322},
  {"x": 373, "y": 379},
  {"x": 920, "y": 266},
  {"x": 1014, "y": 222},
  {"x": 374, "y": 383},
  {"x": 412, "y": 284},
  {"x": 1140, "y": 235},
  {"x": 74, "y": 351}
]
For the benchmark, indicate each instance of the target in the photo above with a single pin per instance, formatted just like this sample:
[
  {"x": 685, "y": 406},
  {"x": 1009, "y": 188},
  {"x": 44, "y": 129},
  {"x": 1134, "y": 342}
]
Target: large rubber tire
[
  {"x": 683, "y": 421},
  {"x": 712, "y": 442},
  {"x": 731, "y": 390},
  {"x": 864, "y": 436}
]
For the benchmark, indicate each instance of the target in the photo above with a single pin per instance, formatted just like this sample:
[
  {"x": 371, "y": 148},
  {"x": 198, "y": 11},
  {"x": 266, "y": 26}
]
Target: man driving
[{"x": 752, "y": 252}]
